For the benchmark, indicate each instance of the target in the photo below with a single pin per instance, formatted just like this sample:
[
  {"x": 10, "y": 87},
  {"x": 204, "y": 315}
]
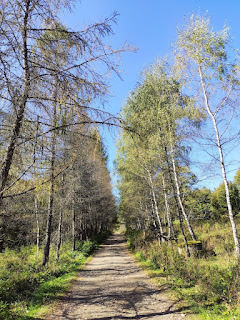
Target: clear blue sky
[{"x": 151, "y": 27}]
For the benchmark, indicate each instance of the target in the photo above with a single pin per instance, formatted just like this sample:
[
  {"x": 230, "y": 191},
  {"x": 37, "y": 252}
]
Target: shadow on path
[{"x": 113, "y": 287}]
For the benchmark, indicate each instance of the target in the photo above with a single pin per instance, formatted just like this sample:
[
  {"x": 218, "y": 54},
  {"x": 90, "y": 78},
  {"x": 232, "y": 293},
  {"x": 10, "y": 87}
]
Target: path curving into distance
[{"x": 113, "y": 287}]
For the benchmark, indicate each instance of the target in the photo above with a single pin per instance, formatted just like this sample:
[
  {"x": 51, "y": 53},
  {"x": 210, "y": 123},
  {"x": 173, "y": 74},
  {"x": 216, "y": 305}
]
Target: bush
[
  {"x": 195, "y": 280},
  {"x": 88, "y": 247}
]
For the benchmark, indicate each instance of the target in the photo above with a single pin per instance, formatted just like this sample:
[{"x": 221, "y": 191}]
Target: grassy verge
[
  {"x": 27, "y": 289},
  {"x": 209, "y": 286}
]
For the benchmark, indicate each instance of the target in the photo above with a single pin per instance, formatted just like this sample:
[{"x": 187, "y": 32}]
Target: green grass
[
  {"x": 208, "y": 286},
  {"x": 27, "y": 289}
]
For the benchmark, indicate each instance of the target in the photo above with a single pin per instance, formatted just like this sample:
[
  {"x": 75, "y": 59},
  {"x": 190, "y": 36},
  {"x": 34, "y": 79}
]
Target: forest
[{"x": 56, "y": 198}]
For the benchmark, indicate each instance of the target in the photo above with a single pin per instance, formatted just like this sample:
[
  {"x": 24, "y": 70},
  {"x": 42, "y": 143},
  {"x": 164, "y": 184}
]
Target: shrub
[{"x": 206, "y": 284}]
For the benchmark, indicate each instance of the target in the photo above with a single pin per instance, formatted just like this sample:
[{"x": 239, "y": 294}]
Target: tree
[
  {"x": 31, "y": 59},
  {"x": 51, "y": 76},
  {"x": 202, "y": 58},
  {"x": 198, "y": 202},
  {"x": 237, "y": 178},
  {"x": 218, "y": 200},
  {"x": 158, "y": 112}
]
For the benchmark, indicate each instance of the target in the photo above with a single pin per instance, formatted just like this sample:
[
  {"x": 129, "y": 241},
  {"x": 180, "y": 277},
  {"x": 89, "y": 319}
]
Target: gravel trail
[{"x": 112, "y": 286}]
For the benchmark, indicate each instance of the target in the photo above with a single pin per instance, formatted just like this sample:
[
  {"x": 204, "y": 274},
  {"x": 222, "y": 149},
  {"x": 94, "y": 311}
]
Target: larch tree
[{"x": 28, "y": 68}]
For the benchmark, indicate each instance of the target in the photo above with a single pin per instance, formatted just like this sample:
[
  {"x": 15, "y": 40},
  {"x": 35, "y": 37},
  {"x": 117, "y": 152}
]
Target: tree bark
[
  {"x": 35, "y": 196},
  {"x": 51, "y": 193},
  {"x": 156, "y": 207},
  {"x": 74, "y": 224},
  {"x": 37, "y": 224},
  {"x": 222, "y": 163},
  {"x": 59, "y": 240},
  {"x": 169, "y": 217},
  {"x": 21, "y": 108},
  {"x": 179, "y": 195},
  {"x": 177, "y": 205}
]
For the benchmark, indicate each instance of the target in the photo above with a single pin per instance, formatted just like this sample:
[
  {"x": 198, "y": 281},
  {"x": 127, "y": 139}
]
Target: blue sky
[{"x": 151, "y": 27}]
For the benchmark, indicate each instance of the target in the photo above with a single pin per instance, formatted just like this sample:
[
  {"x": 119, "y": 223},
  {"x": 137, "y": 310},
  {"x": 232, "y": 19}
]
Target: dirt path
[{"x": 112, "y": 286}]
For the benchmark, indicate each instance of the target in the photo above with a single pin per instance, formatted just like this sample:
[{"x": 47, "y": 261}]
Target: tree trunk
[
  {"x": 221, "y": 158},
  {"x": 51, "y": 193},
  {"x": 169, "y": 216},
  {"x": 156, "y": 207},
  {"x": 155, "y": 224},
  {"x": 177, "y": 206},
  {"x": 35, "y": 196},
  {"x": 59, "y": 240},
  {"x": 21, "y": 108},
  {"x": 49, "y": 219},
  {"x": 74, "y": 224},
  {"x": 37, "y": 224},
  {"x": 179, "y": 195}
]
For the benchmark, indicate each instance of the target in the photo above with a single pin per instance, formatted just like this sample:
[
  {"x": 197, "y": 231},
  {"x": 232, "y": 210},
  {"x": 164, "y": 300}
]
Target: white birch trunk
[
  {"x": 223, "y": 169},
  {"x": 169, "y": 217},
  {"x": 177, "y": 206},
  {"x": 179, "y": 195},
  {"x": 156, "y": 207}
]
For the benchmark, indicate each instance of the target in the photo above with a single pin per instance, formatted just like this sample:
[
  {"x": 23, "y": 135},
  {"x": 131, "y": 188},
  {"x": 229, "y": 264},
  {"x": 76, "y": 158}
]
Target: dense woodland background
[
  {"x": 54, "y": 179},
  {"x": 56, "y": 200}
]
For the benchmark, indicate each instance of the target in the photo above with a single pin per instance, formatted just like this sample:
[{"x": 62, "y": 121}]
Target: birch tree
[
  {"x": 158, "y": 112},
  {"x": 211, "y": 71}
]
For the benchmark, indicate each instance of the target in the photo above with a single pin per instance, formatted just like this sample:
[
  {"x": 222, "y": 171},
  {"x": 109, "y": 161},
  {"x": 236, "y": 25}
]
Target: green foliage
[
  {"x": 201, "y": 44},
  {"x": 198, "y": 202},
  {"x": 210, "y": 71},
  {"x": 203, "y": 282},
  {"x": 135, "y": 238},
  {"x": 99, "y": 145},
  {"x": 219, "y": 202},
  {"x": 160, "y": 117},
  {"x": 237, "y": 178},
  {"x": 25, "y": 284}
]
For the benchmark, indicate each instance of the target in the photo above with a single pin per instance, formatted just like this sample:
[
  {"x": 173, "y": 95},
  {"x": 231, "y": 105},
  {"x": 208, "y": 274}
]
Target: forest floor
[{"x": 112, "y": 286}]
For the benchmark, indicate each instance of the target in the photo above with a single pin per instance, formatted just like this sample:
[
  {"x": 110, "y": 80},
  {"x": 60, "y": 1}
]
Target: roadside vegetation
[
  {"x": 56, "y": 200},
  {"x": 206, "y": 286},
  {"x": 187, "y": 235},
  {"x": 27, "y": 289}
]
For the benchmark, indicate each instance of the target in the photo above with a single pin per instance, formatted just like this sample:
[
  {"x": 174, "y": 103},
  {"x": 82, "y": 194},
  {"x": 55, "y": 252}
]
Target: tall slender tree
[
  {"x": 32, "y": 40},
  {"x": 203, "y": 59},
  {"x": 158, "y": 112}
]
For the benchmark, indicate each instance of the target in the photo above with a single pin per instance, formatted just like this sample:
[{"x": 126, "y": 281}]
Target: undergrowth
[
  {"x": 26, "y": 286},
  {"x": 208, "y": 285}
]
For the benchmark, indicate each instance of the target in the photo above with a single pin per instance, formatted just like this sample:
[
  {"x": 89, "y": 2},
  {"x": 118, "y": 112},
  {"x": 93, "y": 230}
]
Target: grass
[
  {"x": 27, "y": 289},
  {"x": 209, "y": 286}
]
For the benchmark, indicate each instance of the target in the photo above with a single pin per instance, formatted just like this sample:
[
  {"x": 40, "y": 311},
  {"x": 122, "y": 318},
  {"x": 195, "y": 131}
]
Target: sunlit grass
[
  {"x": 209, "y": 285},
  {"x": 27, "y": 289}
]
